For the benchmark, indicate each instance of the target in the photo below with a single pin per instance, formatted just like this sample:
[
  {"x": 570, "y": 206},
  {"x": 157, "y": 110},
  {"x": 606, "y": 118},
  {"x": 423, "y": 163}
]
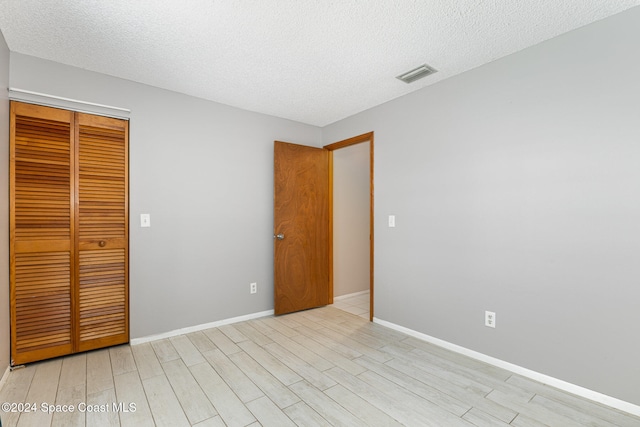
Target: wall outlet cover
[{"x": 490, "y": 319}]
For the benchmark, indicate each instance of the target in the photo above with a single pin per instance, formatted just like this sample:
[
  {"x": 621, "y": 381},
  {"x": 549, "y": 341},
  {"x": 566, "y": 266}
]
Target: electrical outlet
[
  {"x": 490, "y": 319},
  {"x": 253, "y": 288}
]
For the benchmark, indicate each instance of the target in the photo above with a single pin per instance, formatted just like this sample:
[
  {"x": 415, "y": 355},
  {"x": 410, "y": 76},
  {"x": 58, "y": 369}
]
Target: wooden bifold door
[{"x": 69, "y": 232}]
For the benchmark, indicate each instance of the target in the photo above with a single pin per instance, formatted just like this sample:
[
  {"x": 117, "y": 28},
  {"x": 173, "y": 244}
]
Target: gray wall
[
  {"x": 351, "y": 219},
  {"x": 516, "y": 188},
  {"x": 4, "y": 207},
  {"x": 204, "y": 171}
]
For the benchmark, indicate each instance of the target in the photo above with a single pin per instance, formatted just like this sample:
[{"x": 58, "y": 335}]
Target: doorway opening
[{"x": 350, "y": 197}]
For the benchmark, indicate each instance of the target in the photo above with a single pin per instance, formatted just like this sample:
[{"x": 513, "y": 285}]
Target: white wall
[
  {"x": 204, "y": 171},
  {"x": 4, "y": 207},
  {"x": 516, "y": 188},
  {"x": 351, "y": 210}
]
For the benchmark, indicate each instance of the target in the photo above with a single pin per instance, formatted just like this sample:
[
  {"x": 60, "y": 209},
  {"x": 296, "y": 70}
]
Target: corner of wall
[{"x": 4, "y": 206}]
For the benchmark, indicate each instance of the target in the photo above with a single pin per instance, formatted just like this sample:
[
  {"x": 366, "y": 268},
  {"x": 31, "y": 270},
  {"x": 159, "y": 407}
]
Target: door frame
[{"x": 365, "y": 137}]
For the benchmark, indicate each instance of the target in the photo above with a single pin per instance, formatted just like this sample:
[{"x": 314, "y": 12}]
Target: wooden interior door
[
  {"x": 301, "y": 220},
  {"x": 102, "y": 231},
  {"x": 41, "y": 232},
  {"x": 68, "y": 232}
]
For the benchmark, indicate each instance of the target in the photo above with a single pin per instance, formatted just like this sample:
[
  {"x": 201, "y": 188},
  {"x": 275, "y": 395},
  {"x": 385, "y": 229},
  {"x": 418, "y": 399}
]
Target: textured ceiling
[{"x": 312, "y": 61}]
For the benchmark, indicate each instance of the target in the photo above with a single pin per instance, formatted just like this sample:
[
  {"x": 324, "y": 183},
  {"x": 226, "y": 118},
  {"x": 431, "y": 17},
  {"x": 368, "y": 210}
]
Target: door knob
[{"x": 279, "y": 236}]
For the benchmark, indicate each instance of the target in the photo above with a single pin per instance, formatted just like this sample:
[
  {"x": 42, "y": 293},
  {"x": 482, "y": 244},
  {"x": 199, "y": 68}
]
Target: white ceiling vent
[{"x": 417, "y": 73}]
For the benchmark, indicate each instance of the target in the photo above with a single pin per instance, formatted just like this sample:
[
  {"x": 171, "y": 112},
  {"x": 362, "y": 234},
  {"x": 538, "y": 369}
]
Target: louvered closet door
[
  {"x": 41, "y": 232},
  {"x": 102, "y": 231},
  {"x": 69, "y": 232}
]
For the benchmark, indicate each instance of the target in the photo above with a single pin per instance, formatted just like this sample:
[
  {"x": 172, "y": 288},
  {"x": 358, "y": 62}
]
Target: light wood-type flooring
[
  {"x": 357, "y": 304},
  {"x": 320, "y": 367}
]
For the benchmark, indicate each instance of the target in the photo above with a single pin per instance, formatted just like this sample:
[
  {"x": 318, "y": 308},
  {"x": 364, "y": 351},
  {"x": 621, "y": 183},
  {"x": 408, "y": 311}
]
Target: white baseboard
[
  {"x": 536, "y": 376},
  {"x": 355, "y": 294},
  {"x": 196, "y": 328}
]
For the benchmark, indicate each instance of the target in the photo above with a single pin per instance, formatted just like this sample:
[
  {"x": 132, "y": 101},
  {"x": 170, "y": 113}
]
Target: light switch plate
[
  {"x": 392, "y": 220},
  {"x": 145, "y": 220}
]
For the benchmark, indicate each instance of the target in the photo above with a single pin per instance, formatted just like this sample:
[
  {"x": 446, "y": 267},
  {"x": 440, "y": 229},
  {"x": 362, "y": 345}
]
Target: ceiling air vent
[{"x": 417, "y": 73}]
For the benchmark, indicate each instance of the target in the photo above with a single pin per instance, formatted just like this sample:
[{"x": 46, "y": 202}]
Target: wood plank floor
[
  {"x": 320, "y": 367},
  {"x": 357, "y": 304}
]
